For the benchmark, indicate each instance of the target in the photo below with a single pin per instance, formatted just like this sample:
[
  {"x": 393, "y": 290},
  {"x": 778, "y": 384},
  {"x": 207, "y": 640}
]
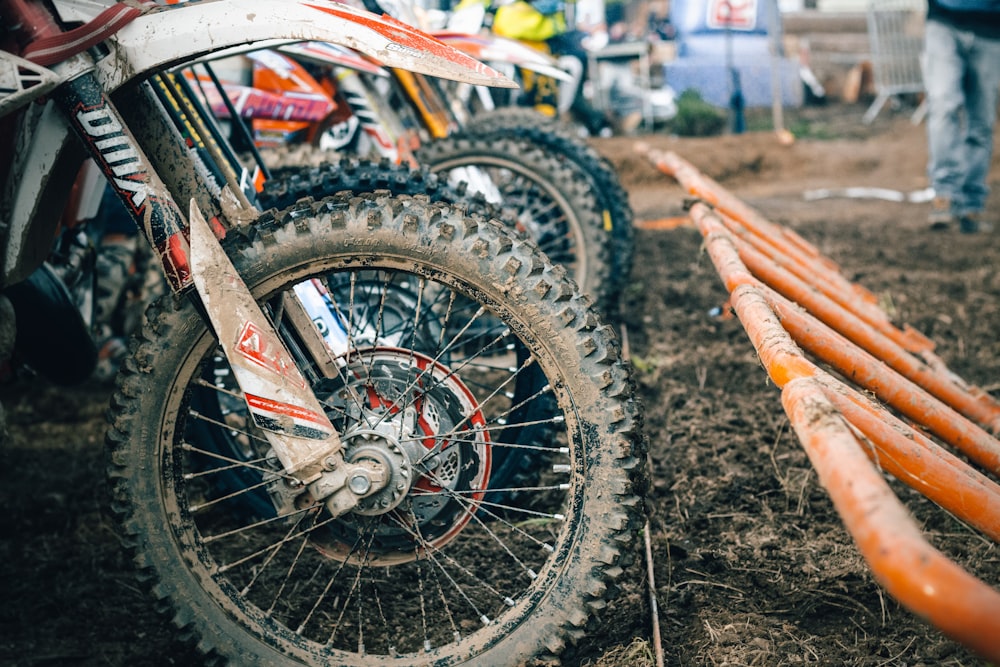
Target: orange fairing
[{"x": 275, "y": 73}]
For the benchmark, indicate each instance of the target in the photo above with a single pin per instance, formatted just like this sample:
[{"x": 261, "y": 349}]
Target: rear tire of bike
[
  {"x": 433, "y": 582},
  {"x": 550, "y": 199}
]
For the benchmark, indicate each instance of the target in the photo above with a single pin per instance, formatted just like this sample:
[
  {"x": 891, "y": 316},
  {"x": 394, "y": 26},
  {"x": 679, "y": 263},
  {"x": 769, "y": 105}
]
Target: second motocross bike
[{"x": 547, "y": 183}]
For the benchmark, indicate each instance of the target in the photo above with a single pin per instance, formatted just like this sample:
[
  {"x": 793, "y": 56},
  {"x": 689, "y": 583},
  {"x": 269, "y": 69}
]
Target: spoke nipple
[
  {"x": 559, "y": 517},
  {"x": 560, "y": 468},
  {"x": 509, "y": 395},
  {"x": 456, "y": 636},
  {"x": 531, "y": 574},
  {"x": 502, "y": 421},
  {"x": 194, "y": 508},
  {"x": 564, "y": 450},
  {"x": 427, "y": 646},
  {"x": 548, "y": 547},
  {"x": 559, "y": 419},
  {"x": 485, "y": 619},
  {"x": 564, "y": 487},
  {"x": 509, "y": 602}
]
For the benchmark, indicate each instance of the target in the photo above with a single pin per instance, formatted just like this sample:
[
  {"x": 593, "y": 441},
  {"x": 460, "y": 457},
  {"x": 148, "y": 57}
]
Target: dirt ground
[{"x": 752, "y": 564}]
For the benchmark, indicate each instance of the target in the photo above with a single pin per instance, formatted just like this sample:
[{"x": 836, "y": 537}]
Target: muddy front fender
[{"x": 180, "y": 33}]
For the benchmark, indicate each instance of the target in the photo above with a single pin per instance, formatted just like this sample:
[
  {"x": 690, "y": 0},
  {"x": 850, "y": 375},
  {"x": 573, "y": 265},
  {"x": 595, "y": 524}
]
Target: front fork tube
[
  {"x": 278, "y": 397},
  {"x": 163, "y": 116},
  {"x": 428, "y": 102},
  {"x": 143, "y": 113},
  {"x": 110, "y": 143},
  {"x": 378, "y": 121}
]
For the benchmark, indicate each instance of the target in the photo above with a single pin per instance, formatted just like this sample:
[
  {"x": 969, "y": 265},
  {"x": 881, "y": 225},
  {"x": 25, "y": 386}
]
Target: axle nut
[{"x": 359, "y": 484}]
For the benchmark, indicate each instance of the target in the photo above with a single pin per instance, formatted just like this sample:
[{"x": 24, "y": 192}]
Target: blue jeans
[{"x": 962, "y": 77}]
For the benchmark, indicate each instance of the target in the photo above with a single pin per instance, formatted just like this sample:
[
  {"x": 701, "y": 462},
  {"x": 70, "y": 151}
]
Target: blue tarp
[{"x": 716, "y": 38}]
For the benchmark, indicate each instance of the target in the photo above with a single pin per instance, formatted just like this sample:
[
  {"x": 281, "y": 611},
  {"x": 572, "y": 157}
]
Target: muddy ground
[{"x": 752, "y": 564}]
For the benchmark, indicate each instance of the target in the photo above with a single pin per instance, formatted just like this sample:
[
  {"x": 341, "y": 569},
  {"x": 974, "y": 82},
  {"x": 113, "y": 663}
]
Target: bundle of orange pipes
[{"x": 889, "y": 406}]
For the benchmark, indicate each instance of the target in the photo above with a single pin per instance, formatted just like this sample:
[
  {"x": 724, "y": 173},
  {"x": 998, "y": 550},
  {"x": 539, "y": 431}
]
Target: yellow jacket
[{"x": 520, "y": 20}]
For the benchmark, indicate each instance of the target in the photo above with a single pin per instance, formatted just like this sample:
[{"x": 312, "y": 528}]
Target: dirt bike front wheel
[
  {"x": 429, "y": 570},
  {"x": 549, "y": 199}
]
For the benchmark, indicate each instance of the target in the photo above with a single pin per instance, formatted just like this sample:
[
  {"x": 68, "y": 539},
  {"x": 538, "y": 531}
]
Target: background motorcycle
[{"x": 547, "y": 182}]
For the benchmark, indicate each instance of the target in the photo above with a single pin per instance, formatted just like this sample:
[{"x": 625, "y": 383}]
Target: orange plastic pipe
[
  {"x": 935, "y": 378},
  {"x": 787, "y": 242},
  {"x": 913, "y": 572},
  {"x": 858, "y": 366},
  {"x": 907, "y": 338},
  {"x": 895, "y": 390},
  {"x": 943, "y": 478},
  {"x": 918, "y": 461}
]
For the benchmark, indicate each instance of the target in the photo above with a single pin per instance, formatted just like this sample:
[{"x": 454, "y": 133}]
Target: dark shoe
[
  {"x": 941, "y": 216},
  {"x": 973, "y": 223}
]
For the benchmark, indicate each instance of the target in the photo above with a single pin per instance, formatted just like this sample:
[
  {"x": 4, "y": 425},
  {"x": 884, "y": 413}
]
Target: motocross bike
[
  {"x": 441, "y": 109},
  {"x": 553, "y": 186},
  {"x": 441, "y": 104},
  {"x": 328, "y": 344}
]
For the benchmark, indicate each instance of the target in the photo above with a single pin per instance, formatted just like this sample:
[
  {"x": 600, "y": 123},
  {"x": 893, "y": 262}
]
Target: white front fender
[
  {"x": 495, "y": 49},
  {"x": 172, "y": 35}
]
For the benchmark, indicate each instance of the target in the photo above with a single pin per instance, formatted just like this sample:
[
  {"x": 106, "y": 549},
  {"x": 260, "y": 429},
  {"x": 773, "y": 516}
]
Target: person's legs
[
  {"x": 568, "y": 89},
  {"x": 570, "y": 45},
  {"x": 944, "y": 69},
  {"x": 982, "y": 82}
]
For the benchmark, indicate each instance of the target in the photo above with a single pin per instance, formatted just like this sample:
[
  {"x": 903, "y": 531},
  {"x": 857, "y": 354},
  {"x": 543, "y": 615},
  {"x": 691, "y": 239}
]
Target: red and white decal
[
  {"x": 254, "y": 345},
  {"x": 732, "y": 14},
  {"x": 287, "y": 418},
  {"x": 407, "y": 40}
]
